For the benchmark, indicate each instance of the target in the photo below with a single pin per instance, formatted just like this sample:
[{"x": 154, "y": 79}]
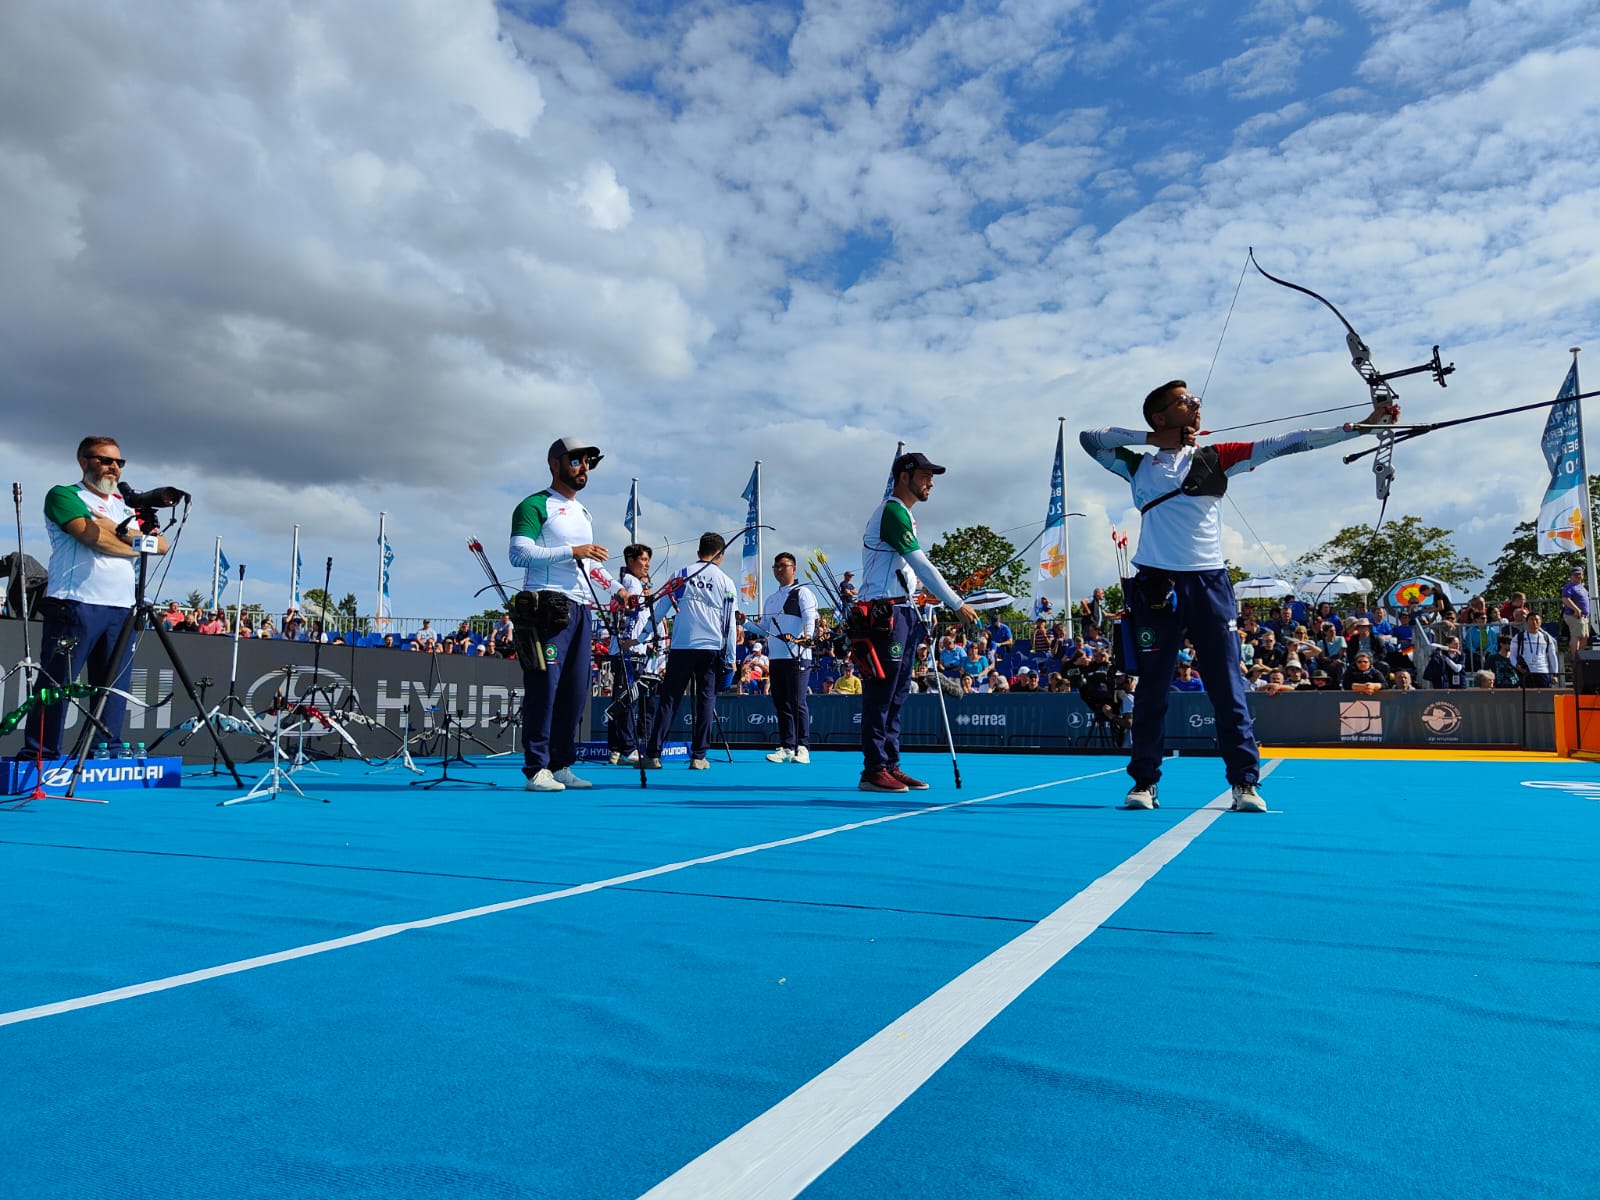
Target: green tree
[
  {"x": 194, "y": 599},
  {"x": 973, "y": 549},
  {"x": 1521, "y": 568},
  {"x": 1401, "y": 548}
]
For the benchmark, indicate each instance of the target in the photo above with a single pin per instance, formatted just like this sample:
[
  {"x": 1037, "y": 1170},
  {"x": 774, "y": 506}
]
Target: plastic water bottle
[
  {"x": 101, "y": 750},
  {"x": 127, "y": 751}
]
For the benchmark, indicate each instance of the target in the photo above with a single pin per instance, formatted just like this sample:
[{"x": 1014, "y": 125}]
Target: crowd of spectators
[
  {"x": 1284, "y": 646},
  {"x": 293, "y": 627}
]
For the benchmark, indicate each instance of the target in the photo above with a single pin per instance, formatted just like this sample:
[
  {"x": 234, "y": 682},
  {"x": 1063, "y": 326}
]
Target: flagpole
[
  {"x": 1066, "y": 541},
  {"x": 760, "y": 561},
  {"x": 216, "y": 575},
  {"x": 383, "y": 520},
  {"x": 294, "y": 571},
  {"x": 633, "y": 512}
]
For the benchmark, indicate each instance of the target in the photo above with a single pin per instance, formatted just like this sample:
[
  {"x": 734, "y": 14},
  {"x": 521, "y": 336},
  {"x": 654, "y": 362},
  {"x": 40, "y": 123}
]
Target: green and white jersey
[
  {"x": 544, "y": 528},
  {"x": 76, "y": 571},
  {"x": 893, "y": 563}
]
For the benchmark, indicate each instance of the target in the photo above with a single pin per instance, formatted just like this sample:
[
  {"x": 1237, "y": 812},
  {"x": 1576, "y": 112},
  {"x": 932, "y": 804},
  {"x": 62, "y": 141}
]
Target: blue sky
[{"x": 314, "y": 262}]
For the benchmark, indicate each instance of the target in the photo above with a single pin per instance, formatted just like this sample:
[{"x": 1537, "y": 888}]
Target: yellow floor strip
[{"x": 1418, "y": 755}]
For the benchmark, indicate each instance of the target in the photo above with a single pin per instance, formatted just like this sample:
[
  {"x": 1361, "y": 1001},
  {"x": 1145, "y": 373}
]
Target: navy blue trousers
[
  {"x": 788, "y": 685},
  {"x": 704, "y": 669},
  {"x": 1208, "y": 613},
  {"x": 882, "y": 699},
  {"x": 95, "y": 626},
  {"x": 553, "y": 699}
]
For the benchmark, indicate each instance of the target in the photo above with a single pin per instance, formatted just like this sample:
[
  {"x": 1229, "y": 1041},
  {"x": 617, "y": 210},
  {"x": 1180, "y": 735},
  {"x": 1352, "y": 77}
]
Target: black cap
[
  {"x": 916, "y": 461},
  {"x": 563, "y": 447}
]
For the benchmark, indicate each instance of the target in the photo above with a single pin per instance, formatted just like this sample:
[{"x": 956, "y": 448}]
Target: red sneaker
[
  {"x": 880, "y": 780},
  {"x": 912, "y": 785}
]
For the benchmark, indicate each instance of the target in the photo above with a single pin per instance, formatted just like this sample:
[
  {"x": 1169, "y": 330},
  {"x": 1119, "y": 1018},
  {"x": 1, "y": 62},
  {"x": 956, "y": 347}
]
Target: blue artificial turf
[{"x": 1385, "y": 988}]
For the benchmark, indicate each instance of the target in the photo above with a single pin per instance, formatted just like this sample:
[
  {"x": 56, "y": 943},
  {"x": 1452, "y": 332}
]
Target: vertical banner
[
  {"x": 632, "y": 519},
  {"x": 1564, "y": 512},
  {"x": 888, "y": 488},
  {"x": 294, "y": 574},
  {"x": 750, "y": 563},
  {"x": 1053, "y": 545},
  {"x": 217, "y": 568},
  {"x": 383, "y": 612}
]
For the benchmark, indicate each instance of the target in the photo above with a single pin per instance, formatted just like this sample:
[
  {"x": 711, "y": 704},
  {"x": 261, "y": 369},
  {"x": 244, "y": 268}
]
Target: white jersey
[
  {"x": 704, "y": 598},
  {"x": 78, "y": 572},
  {"x": 544, "y": 529},
  {"x": 790, "y": 610},
  {"x": 893, "y": 563}
]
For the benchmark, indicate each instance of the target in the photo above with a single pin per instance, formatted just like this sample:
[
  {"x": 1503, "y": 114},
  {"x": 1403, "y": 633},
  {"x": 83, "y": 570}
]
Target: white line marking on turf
[
  {"x": 385, "y": 931},
  {"x": 786, "y": 1148}
]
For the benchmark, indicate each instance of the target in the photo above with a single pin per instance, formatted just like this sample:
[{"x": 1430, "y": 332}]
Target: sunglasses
[
  {"x": 584, "y": 460},
  {"x": 104, "y": 461}
]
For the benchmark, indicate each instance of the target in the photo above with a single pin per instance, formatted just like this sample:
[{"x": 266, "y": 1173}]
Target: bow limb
[{"x": 1383, "y": 395}]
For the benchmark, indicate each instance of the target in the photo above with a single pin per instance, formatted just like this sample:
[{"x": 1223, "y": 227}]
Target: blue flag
[
  {"x": 1564, "y": 512},
  {"x": 223, "y": 564},
  {"x": 384, "y": 610},
  {"x": 632, "y": 519},
  {"x": 294, "y": 586},
  {"x": 750, "y": 561},
  {"x": 1053, "y": 546}
]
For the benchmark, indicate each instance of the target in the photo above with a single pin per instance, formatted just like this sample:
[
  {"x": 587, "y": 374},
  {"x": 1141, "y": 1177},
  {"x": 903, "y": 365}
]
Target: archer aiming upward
[{"x": 1181, "y": 584}]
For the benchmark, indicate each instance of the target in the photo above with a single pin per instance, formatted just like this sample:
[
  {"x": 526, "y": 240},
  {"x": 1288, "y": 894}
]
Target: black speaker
[{"x": 1586, "y": 672}]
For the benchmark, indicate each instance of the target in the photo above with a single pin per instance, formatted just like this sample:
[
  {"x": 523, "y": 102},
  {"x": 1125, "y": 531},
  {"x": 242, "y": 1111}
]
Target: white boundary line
[
  {"x": 384, "y": 931},
  {"x": 784, "y": 1150}
]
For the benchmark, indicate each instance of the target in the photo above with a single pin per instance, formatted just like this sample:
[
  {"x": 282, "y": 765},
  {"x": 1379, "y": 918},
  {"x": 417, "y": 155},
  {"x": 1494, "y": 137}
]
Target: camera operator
[
  {"x": 91, "y": 590},
  {"x": 1102, "y": 694}
]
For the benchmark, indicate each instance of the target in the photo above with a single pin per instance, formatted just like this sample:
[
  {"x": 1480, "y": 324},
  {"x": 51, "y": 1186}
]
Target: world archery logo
[
  {"x": 550, "y": 654},
  {"x": 1147, "y": 638},
  {"x": 895, "y": 650},
  {"x": 1360, "y": 721}
]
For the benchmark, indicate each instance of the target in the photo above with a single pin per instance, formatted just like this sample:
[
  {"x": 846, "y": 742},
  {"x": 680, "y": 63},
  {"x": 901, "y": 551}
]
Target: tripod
[
  {"x": 444, "y": 763},
  {"x": 275, "y": 780},
  {"x": 221, "y": 716},
  {"x": 145, "y": 545},
  {"x": 402, "y": 754}
]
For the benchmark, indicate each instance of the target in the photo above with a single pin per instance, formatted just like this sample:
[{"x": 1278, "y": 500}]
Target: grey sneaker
[
  {"x": 543, "y": 781},
  {"x": 699, "y": 764},
  {"x": 1247, "y": 799},
  {"x": 567, "y": 778},
  {"x": 801, "y": 755},
  {"x": 651, "y": 764},
  {"x": 781, "y": 755},
  {"x": 1141, "y": 795},
  {"x": 615, "y": 757}
]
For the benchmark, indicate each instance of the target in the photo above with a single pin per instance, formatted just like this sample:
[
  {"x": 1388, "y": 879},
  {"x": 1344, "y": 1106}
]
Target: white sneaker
[
  {"x": 633, "y": 758},
  {"x": 566, "y": 778},
  {"x": 543, "y": 781},
  {"x": 615, "y": 757},
  {"x": 699, "y": 764},
  {"x": 801, "y": 755},
  {"x": 1247, "y": 799},
  {"x": 781, "y": 755},
  {"x": 652, "y": 764},
  {"x": 1142, "y": 796}
]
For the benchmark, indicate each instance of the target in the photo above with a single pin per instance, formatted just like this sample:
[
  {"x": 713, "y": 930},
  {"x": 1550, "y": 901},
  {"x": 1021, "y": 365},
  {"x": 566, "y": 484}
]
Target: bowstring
[{"x": 1226, "y": 321}]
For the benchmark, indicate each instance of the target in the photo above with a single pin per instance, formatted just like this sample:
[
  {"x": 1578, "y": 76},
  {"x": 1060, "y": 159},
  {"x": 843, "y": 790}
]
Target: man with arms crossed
[
  {"x": 1182, "y": 585},
  {"x": 893, "y": 566},
  {"x": 89, "y": 594},
  {"x": 788, "y": 621}
]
